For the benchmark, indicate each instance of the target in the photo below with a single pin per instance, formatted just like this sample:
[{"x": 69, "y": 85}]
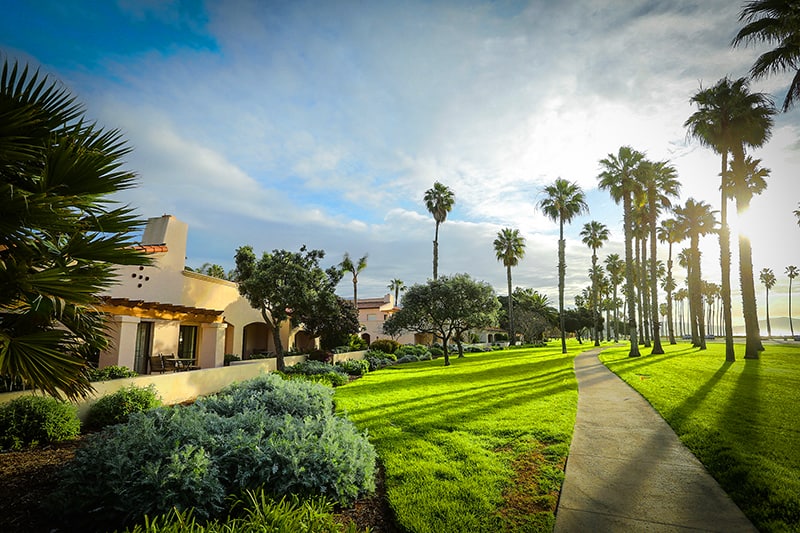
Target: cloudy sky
[{"x": 278, "y": 124}]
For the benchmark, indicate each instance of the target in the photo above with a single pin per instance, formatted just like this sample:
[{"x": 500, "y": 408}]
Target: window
[
  {"x": 372, "y": 317},
  {"x": 187, "y": 342},
  {"x": 144, "y": 337}
]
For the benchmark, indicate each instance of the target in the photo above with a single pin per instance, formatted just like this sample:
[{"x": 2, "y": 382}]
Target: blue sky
[{"x": 278, "y": 124}]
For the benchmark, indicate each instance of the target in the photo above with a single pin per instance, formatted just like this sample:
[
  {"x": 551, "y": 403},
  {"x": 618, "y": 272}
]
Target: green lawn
[
  {"x": 477, "y": 446},
  {"x": 741, "y": 419}
]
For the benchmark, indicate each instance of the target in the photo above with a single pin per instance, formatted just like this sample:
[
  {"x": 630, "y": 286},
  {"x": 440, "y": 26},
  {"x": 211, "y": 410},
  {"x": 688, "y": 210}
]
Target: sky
[{"x": 278, "y": 124}]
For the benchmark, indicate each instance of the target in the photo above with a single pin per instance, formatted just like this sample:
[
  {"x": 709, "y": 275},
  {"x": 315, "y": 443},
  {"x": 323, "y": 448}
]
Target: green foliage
[
  {"x": 335, "y": 325},
  {"x": 61, "y": 234},
  {"x": 733, "y": 417},
  {"x": 356, "y": 343},
  {"x": 31, "y": 420},
  {"x": 417, "y": 350},
  {"x": 455, "y": 443},
  {"x": 334, "y": 375},
  {"x": 268, "y": 432},
  {"x": 435, "y": 352},
  {"x": 255, "y": 512},
  {"x": 111, "y": 372},
  {"x": 231, "y": 357},
  {"x": 354, "y": 367},
  {"x": 115, "y": 408},
  {"x": 385, "y": 345},
  {"x": 378, "y": 360}
]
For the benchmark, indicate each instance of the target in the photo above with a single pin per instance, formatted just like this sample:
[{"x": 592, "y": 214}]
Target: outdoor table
[{"x": 185, "y": 364}]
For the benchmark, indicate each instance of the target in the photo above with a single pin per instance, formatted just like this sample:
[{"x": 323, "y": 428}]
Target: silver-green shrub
[{"x": 115, "y": 408}]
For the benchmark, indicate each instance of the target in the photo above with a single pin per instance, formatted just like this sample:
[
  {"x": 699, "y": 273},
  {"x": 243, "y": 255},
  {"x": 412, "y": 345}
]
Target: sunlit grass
[
  {"x": 741, "y": 419},
  {"x": 477, "y": 446}
]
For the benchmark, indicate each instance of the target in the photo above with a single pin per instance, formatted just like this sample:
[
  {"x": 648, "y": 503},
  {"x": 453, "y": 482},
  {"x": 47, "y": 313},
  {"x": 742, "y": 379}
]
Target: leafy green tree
[
  {"x": 728, "y": 118},
  {"x": 334, "y": 319},
  {"x": 594, "y": 234},
  {"x": 509, "y": 247},
  {"x": 445, "y": 307},
  {"x": 347, "y": 265},
  {"x": 778, "y": 22},
  {"x": 744, "y": 180},
  {"x": 61, "y": 234},
  {"x": 791, "y": 271},
  {"x": 618, "y": 177},
  {"x": 767, "y": 277},
  {"x": 285, "y": 285},
  {"x": 212, "y": 269},
  {"x": 396, "y": 285},
  {"x": 670, "y": 233},
  {"x": 439, "y": 202},
  {"x": 563, "y": 201}
]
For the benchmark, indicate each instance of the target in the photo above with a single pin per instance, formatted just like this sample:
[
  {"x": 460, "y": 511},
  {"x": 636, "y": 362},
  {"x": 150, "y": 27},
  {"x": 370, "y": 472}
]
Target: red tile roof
[{"x": 151, "y": 248}]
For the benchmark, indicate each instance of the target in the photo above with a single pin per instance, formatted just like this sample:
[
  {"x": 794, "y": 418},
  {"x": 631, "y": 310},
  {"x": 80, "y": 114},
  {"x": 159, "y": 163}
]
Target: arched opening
[
  {"x": 256, "y": 338},
  {"x": 229, "y": 331},
  {"x": 367, "y": 338},
  {"x": 304, "y": 342}
]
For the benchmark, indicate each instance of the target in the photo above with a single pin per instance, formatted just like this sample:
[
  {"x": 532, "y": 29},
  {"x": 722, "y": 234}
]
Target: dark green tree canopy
[
  {"x": 61, "y": 236},
  {"x": 334, "y": 319}
]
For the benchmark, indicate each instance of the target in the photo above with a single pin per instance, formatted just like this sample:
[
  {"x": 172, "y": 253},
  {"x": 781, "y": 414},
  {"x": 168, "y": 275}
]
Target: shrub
[
  {"x": 408, "y": 358},
  {"x": 436, "y": 352},
  {"x": 115, "y": 408},
  {"x": 354, "y": 367},
  {"x": 378, "y": 360},
  {"x": 231, "y": 357},
  {"x": 261, "y": 355},
  {"x": 111, "y": 372},
  {"x": 310, "y": 367},
  {"x": 320, "y": 355},
  {"x": 193, "y": 456},
  {"x": 31, "y": 420},
  {"x": 356, "y": 343},
  {"x": 385, "y": 345},
  {"x": 377, "y": 353},
  {"x": 418, "y": 350}
]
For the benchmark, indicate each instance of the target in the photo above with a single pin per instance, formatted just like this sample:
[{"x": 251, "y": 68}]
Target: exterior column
[
  {"x": 211, "y": 353},
  {"x": 121, "y": 341}
]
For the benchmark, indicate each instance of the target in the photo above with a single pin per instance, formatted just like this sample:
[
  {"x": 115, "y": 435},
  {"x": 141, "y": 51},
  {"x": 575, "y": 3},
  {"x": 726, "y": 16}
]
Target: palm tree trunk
[
  {"x": 616, "y": 316},
  {"x": 355, "y": 293},
  {"x": 670, "y": 318},
  {"x": 725, "y": 262},
  {"x": 791, "y": 325},
  {"x": 698, "y": 296},
  {"x": 638, "y": 275},
  {"x": 657, "y": 348},
  {"x": 750, "y": 310},
  {"x": 562, "y": 267},
  {"x": 769, "y": 328},
  {"x": 595, "y": 304},
  {"x": 511, "y": 338},
  {"x": 436, "y": 253},
  {"x": 634, "y": 351}
]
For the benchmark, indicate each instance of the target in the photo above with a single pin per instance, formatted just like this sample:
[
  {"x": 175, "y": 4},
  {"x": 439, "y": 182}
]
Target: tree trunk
[
  {"x": 445, "y": 340},
  {"x": 511, "y": 337},
  {"x": 276, "y": 339},
  {"x": 436, "y": 252},
  {"x": 657, "y": 348},
  {"x": 616, "y": 317},
  {"x": 670, "y": 317},
  {"x": 791, "y": 326},
  {"x": 725, "y": 263},
  {"x": 595, "y": 306},
  {"x": 750, "y": 310},
  {"x": 355, "y": 293},
  {"x": 769, "y": 328},
  {"x": 562, "y": 267},
  {"x": 634, "y": 350},
  {"x": 698, "y": 295}
]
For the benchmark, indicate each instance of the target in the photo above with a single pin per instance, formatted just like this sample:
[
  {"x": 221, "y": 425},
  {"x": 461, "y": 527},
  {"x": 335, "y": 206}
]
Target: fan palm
[
  {"x": 729, "y": 117},
  {"x": 396, "y": 285},
  {"x": 509, "y": 247},
  {"x": 563, "y": 201},
  {"x": 594, "y": 234},
  {"x": 744, "y": 180},
  {"x": 695, "y": 218},
  {"x": 618, "y": 178},
  {"x": 61, "y": 236},
  {"x": 347, "y": 265},
  {"x": 778, "y": 22},
  {"x": 670, "y": 233},
  {"x": 439, "y": 201},
  {"x": 767, "y": 277},
  {"x": 616, "y": 270},
  {"x": 792, "y": 272}
]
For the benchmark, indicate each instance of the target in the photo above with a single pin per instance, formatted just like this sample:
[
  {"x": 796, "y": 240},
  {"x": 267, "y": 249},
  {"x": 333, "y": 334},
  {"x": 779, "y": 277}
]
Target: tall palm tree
[
  {"x": 797, "y": 213},
  {"x": 618, "y": 178},
  {"x": 659, "y": 183},
  {"x": 396, "y": 285},
  {"x": 792, "y": 272},
  {"x": 680, "y": 296},
  {"x": 616, "y": 270},
  {"x": 745, "y": 179},
  {"x": 773, "y": 21},
  {"x": 347, "y": 265},
  {"x": 439, "y": 201},
  {"x": 509, "y": 247},
  {"x": 594, "y": 234},
  {"x": 669, "y": 232},
  {"x": 767, "y": 277},
  {"x": 729, "y": 117},
  {"x": 697, "y": 219},
  {"x": 563, "y": 201}
]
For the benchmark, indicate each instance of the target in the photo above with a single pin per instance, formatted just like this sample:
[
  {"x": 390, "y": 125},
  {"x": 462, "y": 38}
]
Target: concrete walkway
[{"x": 627, "y": 470}]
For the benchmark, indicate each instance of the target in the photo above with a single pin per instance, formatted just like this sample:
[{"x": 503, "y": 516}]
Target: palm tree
[
  {"x": 797, "y": 213},
  {"x": 564, "y": 201},
  {"x": 396, "y": 285},
  {"x": 439, "y": 201},
  {"x": 744, "y": 180},
  {"x": 347, "y": 265},
  {"x": 696, "y": 219},
  {"x": 618, "y": 178},
  {"x": 594, "y": 234},
  {"x": 681, "y": 295},
  {"x": 767, "y": 277},
  {"x": 615, "y": 268},
  {"x": 659, "y": 184},
  {"x": 509, "y": 247},
  {"x": 792, "y": 272},
  {"x": 729, "y": 117},
  {"x": 669, "y": 232},
  {"x": 773, "y": 21}
]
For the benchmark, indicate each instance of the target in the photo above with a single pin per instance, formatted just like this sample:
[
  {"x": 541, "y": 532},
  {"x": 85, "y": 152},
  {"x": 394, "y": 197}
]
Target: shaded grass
[
  {"x": 742, "y": 420},
  {"x": 477, "y": 446}
]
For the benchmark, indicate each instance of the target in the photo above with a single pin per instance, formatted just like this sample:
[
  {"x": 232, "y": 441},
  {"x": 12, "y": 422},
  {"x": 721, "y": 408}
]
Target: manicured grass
[
  {"x": 477, "y": 446},
  {"x": 742, "y": 419}
]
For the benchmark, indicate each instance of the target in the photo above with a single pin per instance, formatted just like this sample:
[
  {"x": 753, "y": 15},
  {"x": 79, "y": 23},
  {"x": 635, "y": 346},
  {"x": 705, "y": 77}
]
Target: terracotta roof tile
[{"x": 151, "y": 248}]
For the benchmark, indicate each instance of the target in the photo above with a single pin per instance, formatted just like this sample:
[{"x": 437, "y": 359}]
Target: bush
[
  {"x": 408, "y": 358},
  {"x": 115, "y": 408},
  {"x": 417, "y": 350},
  {"x": 320, "y": 355},
  {"x": 377, "y": 353},
  {"x": 436, "y": 352},
  {"x": 377, "y": 359},
  {"x": 194, "y": 456},
  {"x": 385, "y": 345},
  {"x": 31, "y": 420},
  {"x": 111, "y": 372},
  {"x": 262, "y": 355},
  {"x": 229, "y": 358},
  {"x": 354, "y": 367},
  {"x": 357, "y": 343}
]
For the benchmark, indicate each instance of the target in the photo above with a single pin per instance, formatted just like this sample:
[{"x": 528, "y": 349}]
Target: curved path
[{"x": 627, "y": 470}]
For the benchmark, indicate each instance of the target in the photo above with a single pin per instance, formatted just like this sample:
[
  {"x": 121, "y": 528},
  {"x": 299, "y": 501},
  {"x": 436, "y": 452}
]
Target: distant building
[
  {"x": 164, "y": 308},
  {"x": 373, "y": 313}
]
